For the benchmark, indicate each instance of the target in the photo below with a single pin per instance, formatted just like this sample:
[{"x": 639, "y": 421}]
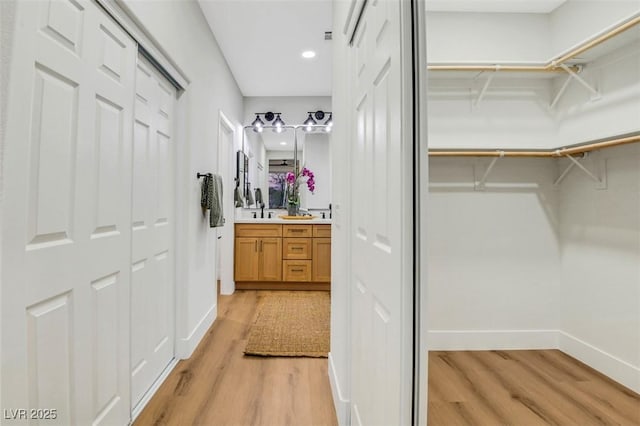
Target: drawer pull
[
  {"x": 296, "y": 230},
  {"x": 296, "y": 248},
  {"x": 297, "y": 270}
]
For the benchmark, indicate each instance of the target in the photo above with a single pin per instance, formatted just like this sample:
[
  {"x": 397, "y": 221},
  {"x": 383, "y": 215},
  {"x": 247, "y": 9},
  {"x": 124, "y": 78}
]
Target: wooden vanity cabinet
[
  {"x": 288, "y": 256},
  {"x": 258, "y": 257}
]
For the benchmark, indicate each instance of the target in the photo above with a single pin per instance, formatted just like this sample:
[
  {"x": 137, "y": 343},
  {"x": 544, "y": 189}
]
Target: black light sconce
[
  {"x": 317, "y": 116},
  {"x": 258, "y": 124}
]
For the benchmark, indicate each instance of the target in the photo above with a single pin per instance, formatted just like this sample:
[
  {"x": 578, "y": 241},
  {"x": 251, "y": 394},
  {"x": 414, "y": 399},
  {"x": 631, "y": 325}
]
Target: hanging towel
[
  {"x": 249, "y": 196},
  {"x": 259, "y": 201},
  {"x": 237, "y": 197},
  {"x": 206, "y": 192},
  {"x": 216, "y": 214}
]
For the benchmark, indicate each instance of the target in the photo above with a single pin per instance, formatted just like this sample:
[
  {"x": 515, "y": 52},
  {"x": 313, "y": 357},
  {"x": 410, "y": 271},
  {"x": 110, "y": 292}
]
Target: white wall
[
  {"x": 513, "y": 114},
  {"x": 576, "y": 21},
  {"x": 180, "y": 28},
  {"x": 582, "y": 118},
  {"x": 493, "y": 255},
  {"x": 600, "y": 252},
  {"x": 481, "y": 37}
]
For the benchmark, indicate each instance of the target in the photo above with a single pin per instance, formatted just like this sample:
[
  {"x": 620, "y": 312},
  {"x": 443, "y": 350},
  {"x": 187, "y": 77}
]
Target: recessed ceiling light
[
  {"x": 283, "y": 143},
  {"x": 308, "y": 54}
]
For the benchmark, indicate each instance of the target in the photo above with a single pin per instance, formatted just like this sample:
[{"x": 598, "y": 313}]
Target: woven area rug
[{"x": 291, "y": 323}]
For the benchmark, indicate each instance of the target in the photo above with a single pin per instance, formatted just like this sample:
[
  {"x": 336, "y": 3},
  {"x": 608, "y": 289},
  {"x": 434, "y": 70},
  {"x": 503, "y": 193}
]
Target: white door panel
[
  {"x": 66, "y": 231},
  {"x": 381, "y": 344},
  {"x": 152, "y": 310}
]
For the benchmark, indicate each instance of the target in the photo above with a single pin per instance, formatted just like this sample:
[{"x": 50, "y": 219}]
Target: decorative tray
[{"x": 297, "y": 217}]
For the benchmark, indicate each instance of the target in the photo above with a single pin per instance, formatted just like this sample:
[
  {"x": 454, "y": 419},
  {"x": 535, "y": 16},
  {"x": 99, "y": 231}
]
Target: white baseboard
[
  {"x": 152, "y": 390},
  {"x": 186, "y": 346},
  {"x": 607, "y": 364},
  {"x": 484, "y": 340},
  {"x": 340, "y": 403}
]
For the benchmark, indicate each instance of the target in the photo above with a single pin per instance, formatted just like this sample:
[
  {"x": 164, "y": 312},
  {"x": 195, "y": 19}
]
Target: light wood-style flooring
[
  {"x": 524, "y": 388},
  {"x": 219, "y": 386}
]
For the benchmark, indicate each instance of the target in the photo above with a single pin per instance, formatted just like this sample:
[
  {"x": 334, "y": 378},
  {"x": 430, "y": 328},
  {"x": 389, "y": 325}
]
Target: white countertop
[{"x": 279, "y": 220}]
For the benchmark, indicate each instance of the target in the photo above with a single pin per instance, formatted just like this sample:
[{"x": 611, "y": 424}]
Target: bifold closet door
[
  {"x": 152, "y": 291},
  {"x": 67, "y": 217}
]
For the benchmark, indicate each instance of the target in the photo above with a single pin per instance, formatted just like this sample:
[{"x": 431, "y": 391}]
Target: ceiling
[
  {"x": 262, "y": 41},
  {"x": 497, "y": 6}
]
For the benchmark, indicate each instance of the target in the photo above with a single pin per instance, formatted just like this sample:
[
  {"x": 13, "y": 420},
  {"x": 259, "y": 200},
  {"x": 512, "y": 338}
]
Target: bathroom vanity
[{"x": 276, "y": 254}]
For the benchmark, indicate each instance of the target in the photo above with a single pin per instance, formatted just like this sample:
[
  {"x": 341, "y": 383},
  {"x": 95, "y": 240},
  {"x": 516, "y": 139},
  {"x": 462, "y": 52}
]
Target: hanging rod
[
  {"x": 507, "y": 68},
  {"x": 551, "y": 66},
  {"x": 201, "y": 175},
  {"x": 552, "y": 153}
]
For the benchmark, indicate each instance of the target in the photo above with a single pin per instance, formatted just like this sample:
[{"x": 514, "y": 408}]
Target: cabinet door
[
  {"x": 247, "y": 259},
  {"x": 270, "y": 259},
  {"x": 321, "y": 260}
]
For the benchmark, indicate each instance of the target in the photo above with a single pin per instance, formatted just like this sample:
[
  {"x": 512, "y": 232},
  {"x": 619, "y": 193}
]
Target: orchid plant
[{"x": 293, "y": 184}]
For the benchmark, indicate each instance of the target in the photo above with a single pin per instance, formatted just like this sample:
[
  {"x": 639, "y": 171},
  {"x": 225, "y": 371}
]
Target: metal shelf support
[{"x": 480, "y": 184}]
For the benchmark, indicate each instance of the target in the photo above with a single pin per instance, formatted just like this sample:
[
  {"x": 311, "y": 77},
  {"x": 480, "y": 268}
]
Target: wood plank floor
[
  {"x": 524, "y": 388},
  {"x": 219, "y": 386}
]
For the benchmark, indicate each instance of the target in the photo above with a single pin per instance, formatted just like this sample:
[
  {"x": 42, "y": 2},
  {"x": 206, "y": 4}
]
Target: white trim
[
  {"x": 607, "y": 364},
  {"x": 135, "y": 412},
  {"x": 123, "y": 15},
  {"x": 482, "y": 340},
  {"x": 227, "y": 287},
  {"x": 186, "y": 346},
  {"x": 339, "y": 402}
]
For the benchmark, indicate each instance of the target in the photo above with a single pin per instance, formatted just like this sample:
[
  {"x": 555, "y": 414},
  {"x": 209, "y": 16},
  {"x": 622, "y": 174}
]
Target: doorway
[{"x": 225, "y": 234}]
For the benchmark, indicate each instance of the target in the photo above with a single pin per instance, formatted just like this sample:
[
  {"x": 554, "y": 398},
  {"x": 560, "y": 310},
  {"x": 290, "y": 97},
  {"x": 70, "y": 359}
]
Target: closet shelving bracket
[
  {"x": 574, "y": 75},
  {"x": 483, "y": 92},
  {"x": 599, "y": 177},
  {"x": 480, "y": 184}
]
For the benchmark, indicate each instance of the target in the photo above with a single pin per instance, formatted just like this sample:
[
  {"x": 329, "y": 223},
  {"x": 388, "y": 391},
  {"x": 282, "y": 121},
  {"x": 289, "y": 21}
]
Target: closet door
[
  {"x": 66, "y": 225},
  {"x": 381, "y": 282},
  {"x": 152, "y": 293}
]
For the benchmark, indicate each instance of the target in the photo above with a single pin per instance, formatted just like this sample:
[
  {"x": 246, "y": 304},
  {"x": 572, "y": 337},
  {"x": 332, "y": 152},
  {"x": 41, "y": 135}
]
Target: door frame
[{"x": 226, "y": 126}]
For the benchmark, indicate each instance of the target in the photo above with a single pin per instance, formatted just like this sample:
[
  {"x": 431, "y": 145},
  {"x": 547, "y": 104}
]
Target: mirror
[
  {"x": 272, "y": 155},
  {"x": 242, "y": 183}
]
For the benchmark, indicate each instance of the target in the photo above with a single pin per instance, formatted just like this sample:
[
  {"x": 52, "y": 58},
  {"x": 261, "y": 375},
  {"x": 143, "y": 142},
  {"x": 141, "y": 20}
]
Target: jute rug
[{"x": 291, "y": 323}]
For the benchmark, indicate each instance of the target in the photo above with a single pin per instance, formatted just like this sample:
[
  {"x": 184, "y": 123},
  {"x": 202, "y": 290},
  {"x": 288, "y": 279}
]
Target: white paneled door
[
  {"x": 381, "y": 278},
  {"x": 67, "y": 222},
  {"x": 152, "y": 281}
]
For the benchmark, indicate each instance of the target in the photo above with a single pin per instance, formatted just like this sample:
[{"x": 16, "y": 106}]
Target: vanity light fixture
[
  {"x": 316, "y": 117},
  {"x": 257, "y": 124},
  {"x": 278, "y": 123},
  {"x": 329, "y": 123},
  {"x": 308, "y": 54},
  {"x": 309, "y": 122}
]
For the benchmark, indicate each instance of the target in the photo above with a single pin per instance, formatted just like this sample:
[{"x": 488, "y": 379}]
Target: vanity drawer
[
  {"x": 297, "y": 231},
  {"x": 322, "y": 231},
  {"x": 296, "y": 248},
  {"x": 258, "y": 230},
  {"x": 296, "y": 270}
]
